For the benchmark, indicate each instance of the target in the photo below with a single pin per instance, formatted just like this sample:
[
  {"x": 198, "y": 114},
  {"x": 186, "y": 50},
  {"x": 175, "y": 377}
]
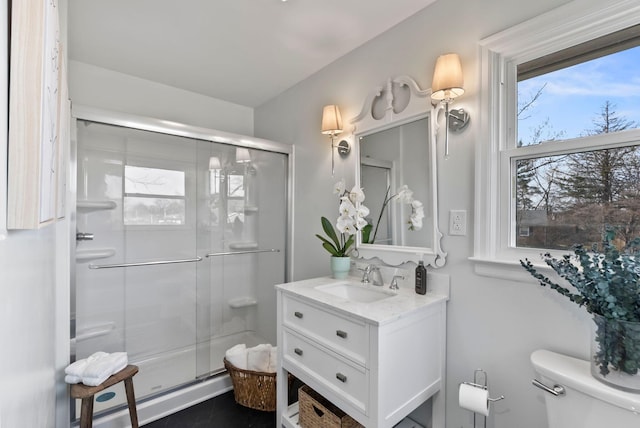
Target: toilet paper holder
[{"x": 480, "y": 375}]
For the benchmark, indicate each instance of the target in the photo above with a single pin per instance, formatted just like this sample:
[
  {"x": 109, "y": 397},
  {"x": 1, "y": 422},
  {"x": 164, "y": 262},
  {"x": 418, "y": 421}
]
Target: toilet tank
[{"x": 587, "y": 402}]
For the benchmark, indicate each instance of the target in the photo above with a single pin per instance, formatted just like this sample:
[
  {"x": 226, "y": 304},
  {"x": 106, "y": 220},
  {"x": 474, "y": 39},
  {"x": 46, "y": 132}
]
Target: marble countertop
[{"x": 401, "y": 303}]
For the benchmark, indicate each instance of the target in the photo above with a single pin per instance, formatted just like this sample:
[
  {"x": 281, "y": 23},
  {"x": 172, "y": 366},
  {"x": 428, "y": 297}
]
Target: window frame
[
  {"x": 500, "y": 54},
  {"x": 153, "y": 163}
]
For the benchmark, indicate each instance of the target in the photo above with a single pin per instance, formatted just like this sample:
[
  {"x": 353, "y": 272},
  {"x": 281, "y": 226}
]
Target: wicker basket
[
  {"x": 256, "y": 390},
  {"x": 317, "y": 412}
]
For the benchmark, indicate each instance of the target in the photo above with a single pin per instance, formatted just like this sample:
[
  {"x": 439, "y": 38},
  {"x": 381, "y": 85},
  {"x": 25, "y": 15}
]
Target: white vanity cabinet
[{"x": 376, "y": 361}]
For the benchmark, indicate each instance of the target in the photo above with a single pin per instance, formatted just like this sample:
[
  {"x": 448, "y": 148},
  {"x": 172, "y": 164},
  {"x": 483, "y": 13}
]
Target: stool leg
[
  {"x": 86, "y": 412},
  {"x": 131, "y": 402}
]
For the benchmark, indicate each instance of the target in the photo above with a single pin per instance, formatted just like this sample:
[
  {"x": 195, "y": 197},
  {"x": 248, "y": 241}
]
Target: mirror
[{"x": 395, "y": 143}]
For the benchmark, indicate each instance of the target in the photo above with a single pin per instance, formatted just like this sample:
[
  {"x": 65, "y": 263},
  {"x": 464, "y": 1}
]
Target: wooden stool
[{"x": 86, "y": 393}]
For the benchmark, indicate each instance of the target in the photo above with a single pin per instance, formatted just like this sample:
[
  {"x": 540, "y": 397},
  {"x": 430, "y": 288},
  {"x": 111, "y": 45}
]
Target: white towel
[
  {"x": 237, "y": 356},
  {"x": 75, "y": 370},
  {"x": 72, "y": 379},
  {"x": 258, "y": 358},
  {"x": 99, "y": 370},
  {"x": 273, "y": 360}
]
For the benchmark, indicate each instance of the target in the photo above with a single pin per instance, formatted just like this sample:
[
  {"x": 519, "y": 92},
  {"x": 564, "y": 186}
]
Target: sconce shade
[
  {"x": 242, "y": 155},
  {"x": 331, "y": 120},
  {"x": 214, "y": 162},
  {"x": 447, "y": 78}
]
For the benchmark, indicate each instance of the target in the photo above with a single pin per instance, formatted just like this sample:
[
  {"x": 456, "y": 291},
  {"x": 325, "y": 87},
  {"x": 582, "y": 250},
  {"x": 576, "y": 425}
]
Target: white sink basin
[{"x": 356, "y": 293}]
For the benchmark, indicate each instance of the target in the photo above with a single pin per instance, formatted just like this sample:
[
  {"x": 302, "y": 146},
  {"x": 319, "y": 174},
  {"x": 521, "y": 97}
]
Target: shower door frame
[{"x": 166, "y": 127}]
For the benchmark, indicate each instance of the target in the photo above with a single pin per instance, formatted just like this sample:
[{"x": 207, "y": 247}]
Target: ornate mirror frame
[{"x": 416, "y": 105}]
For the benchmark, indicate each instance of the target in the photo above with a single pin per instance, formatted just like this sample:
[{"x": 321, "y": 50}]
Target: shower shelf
[
  {"x": 100, "y": 253},
  {"x": 242, "y": 302},
  {"x": 249, "y": 209},
  {"x": 86, "y": 206},
  {"x": 95, "y": 331}
]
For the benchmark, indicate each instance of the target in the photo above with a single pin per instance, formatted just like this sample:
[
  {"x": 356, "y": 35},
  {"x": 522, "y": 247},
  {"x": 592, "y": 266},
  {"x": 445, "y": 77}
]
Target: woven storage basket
[
  {"x": 317, "y": 412},
  {"x": 256, "y": 390}
]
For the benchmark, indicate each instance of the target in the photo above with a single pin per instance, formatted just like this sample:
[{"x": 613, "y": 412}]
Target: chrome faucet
[
  {"x": 394, "y": 282},
  {"x": 377, "y": 276}
]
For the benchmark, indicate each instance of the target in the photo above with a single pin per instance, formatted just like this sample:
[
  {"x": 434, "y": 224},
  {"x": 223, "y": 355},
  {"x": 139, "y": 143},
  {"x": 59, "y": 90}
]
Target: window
[
  {"x": 589, "y": 90},
  {"x": 153, "y": 196},
  {"x": 560, "y": 160},
  {"x": 235, "y": 198}
]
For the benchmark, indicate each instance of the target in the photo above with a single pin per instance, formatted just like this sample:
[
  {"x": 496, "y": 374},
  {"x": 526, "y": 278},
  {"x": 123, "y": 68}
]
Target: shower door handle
[{"x": 81, "y": 236}]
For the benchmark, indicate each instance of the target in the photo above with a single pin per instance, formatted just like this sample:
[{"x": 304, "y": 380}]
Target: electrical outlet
[{"x": 458, "y": 222}]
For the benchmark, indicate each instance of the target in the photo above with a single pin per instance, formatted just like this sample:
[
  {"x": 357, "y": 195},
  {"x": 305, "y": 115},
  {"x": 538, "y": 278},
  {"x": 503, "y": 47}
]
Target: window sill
[{"x": 510, "y": 270}]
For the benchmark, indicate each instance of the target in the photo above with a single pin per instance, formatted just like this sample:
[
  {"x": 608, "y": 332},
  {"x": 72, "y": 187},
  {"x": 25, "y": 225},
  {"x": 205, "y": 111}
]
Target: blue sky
[{"x": 573, "y": 97}]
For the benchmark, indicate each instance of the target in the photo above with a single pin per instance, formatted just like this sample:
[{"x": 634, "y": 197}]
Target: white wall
[
  {"x": 34, "y": 317},
  {"x": 27, "y": 286},
  {"x": 492, "y": 324},
  {"x": 98, "y": 87}
]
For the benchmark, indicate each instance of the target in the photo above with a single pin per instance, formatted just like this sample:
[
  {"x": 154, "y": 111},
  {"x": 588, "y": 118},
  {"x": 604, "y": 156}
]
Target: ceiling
[{"x": 241, "y": 51}]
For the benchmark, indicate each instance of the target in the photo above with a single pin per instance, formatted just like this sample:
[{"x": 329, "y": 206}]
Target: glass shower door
[
  {"x": 136, "y": 280},
  {"x": 242, "y": 234},
  {"x": 189, "y": 240}
]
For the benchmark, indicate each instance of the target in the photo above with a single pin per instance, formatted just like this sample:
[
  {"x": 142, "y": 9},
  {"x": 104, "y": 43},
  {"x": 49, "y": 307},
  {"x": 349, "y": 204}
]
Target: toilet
[{"x": 586, "y": 402}]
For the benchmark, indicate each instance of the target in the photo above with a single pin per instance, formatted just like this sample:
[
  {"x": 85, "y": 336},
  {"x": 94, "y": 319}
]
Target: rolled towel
[
  {"x": 237, "y": 356},
  {"x": 76, "y": 368},
  {"x": 99, "y": 370},
  {"x": 273, "y": 360},
  {"x": 258, "y": 358}
]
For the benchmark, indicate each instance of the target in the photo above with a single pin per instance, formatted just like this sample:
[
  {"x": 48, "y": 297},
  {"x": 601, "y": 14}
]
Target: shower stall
[{"x": 181, "y": 235}]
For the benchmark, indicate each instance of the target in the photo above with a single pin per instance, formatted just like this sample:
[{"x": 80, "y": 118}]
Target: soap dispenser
[{"x": 421, "y": 278}]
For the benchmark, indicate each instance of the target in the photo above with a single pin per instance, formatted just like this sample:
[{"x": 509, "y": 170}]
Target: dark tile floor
[{"x": 218, "y": 412}]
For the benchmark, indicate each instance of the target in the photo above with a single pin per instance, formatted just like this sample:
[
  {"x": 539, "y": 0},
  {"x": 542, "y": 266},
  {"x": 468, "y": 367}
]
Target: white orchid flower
[
  {"x": 356, "y": 195},
  {"x": 361, "y": 223},
  {"x": 405, "y": 194},
  {"x": 416, "y": 204},
  {"x": 346, "y": 225},
  {"x": 339, "y": 187},
  {"x": 415, "y": 223},
  {"x": 418, "y": 212},
  {"x": 347, "y": 208},
  {"x": 362, "y": 211}
]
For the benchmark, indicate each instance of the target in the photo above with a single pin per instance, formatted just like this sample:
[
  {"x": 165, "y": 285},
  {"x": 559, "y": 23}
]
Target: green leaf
[
  {"x": 325, "y": 241},
  {"x": 331, "y": 249},
  {"x": 347, "y": 244},
  {"x": 366, "y": 232},
  {"x": 328, "y": 229}
]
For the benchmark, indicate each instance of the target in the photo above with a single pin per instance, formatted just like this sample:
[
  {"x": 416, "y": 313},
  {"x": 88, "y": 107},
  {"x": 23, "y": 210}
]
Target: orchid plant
[
  {"x": 404, "y": 195},
  {"x": 352, "y": 213},
  {"x": 352, "y": 218}
]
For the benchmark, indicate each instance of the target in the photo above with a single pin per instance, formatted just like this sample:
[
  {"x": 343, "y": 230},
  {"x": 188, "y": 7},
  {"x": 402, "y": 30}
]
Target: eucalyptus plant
[{"x": 607, "y": 282}]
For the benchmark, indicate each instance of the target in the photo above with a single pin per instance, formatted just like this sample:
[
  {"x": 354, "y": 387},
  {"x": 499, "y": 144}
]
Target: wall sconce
[
  {"x": 446, "y": 86},
  {"x": 332, "y": 125},
  {"x": 214, "y": 163},
  {"x": 242, "y": 155}
]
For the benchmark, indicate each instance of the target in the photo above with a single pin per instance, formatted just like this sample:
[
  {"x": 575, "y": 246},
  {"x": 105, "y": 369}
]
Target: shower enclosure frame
[{"x": 198, "y": 390}]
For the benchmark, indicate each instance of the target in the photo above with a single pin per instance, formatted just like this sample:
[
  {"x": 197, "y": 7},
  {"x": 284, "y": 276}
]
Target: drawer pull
[
  {"x": 298, "y": 314},
  {"x": 342, "y": 378},
  {"x": 342, "y": 334},
  {"x": 298, "y": 351}
]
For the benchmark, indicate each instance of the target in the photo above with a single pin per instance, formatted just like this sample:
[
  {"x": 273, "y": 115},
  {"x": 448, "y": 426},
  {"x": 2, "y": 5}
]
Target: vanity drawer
[
  {"x": 348, "y": 337},
  {"x": 348, "y": 381}
]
